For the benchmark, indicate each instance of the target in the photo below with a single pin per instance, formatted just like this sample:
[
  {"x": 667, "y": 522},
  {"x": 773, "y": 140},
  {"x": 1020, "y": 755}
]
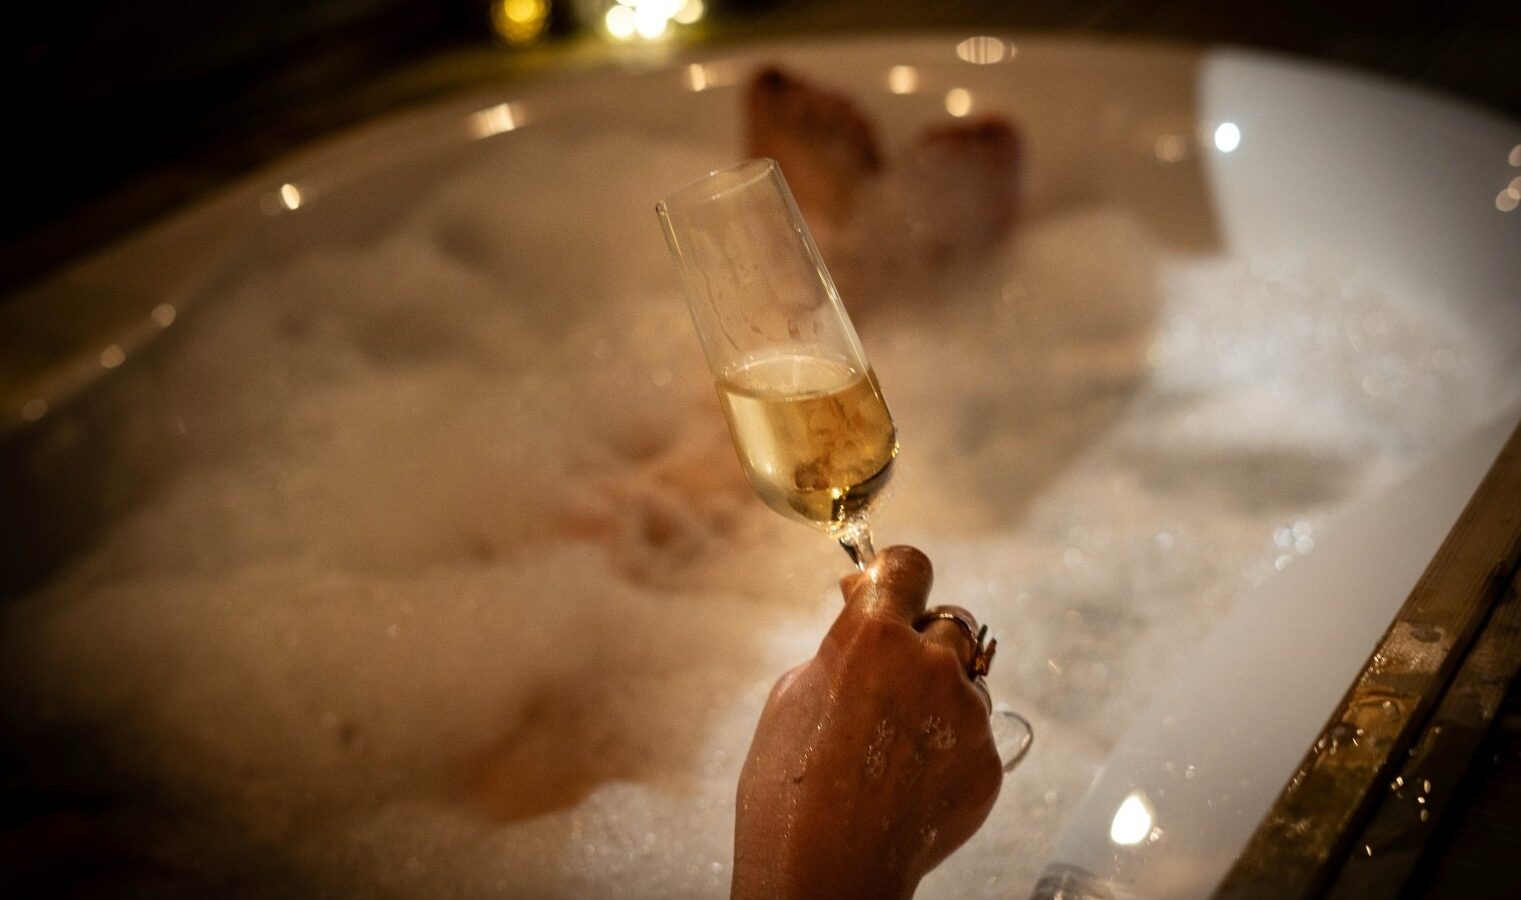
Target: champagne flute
[
  {"x": 807, "y": 417},
  {"x": 813, "y": 433}
]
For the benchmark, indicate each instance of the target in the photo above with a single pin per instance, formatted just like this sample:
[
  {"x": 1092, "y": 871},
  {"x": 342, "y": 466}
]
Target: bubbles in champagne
[{"x": 813, "y": 435}]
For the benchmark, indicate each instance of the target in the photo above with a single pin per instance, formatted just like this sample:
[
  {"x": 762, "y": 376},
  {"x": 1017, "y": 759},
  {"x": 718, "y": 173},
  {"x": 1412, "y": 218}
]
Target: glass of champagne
[
  {"x": 812, "y": 431},
  {"x": 805, "y": 412}
]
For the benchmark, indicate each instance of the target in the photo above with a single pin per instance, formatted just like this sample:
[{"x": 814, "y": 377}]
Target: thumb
[{"x": 895, "y": 585}]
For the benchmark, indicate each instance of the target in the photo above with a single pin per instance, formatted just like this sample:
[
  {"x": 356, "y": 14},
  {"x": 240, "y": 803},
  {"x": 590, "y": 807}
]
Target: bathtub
[{"x": 354, "y": 514}]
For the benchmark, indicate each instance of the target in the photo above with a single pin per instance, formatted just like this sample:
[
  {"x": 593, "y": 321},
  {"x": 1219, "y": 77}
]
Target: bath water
[{"x": 449, "y": 583}]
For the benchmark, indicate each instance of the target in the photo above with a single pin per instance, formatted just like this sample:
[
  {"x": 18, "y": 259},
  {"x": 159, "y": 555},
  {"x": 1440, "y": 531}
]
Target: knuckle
[
  {"x": 785, "y": 684},
  {"x": 877, "y": 635},
  {"x": 944, "y": 663},
  {"x": 911, "y": 557},
  {"x": 878, "y": 644}
]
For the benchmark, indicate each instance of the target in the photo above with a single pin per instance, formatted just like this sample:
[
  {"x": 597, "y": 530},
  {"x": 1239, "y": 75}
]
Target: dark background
[{"x": 122, "y": 111}]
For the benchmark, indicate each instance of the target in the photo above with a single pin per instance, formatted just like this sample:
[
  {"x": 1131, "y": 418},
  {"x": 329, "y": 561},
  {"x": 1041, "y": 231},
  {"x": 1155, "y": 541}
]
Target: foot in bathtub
[
  {"x": 826, "y": 147},
  {"x": 954, "y": 194},
  {"x": 961, "y": 186}
]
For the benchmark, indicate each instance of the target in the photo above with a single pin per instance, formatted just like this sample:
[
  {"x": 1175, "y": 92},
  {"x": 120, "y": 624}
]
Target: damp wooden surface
[{"x": 1358, "y": 816}]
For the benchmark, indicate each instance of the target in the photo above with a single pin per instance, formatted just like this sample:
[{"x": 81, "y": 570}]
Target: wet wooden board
[
  {"x": 1474, "y": 854},
  {"x": 1449, "y": 656},
  {"x": 1405, "y": 819}
]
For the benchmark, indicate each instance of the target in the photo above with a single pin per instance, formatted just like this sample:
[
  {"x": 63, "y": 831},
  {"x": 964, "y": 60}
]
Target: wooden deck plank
[{"x": 1306, "y": 836}]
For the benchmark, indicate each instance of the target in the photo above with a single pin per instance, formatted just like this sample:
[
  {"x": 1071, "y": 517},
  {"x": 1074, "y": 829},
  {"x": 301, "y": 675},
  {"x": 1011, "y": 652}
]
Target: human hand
[{"x": 873, "y": 760}]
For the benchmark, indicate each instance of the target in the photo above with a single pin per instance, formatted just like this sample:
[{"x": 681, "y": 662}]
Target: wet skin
[{"x": 872, "y": 761}]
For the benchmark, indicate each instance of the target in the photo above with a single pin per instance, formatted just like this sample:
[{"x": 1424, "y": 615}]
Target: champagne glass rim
[{"x": 720, "y": 182}]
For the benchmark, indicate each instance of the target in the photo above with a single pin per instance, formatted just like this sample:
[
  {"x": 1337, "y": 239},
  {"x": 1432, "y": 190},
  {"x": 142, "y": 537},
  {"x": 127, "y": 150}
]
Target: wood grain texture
[{"x": 1431, "y": 660}]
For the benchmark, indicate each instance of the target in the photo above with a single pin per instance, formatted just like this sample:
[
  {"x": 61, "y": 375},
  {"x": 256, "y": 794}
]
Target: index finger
[{"x": 895, "y": 585}]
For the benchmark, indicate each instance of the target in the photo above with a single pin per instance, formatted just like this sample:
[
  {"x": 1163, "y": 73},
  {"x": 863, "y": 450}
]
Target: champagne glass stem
[{"x": 856, "y": 539}]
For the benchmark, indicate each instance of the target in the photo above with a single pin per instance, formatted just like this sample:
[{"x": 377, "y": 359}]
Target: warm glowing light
[
  {"x": 290, "y": 196},
  {"x": 519, "y": 21},
  {"x": 1132, "y": 821},
  {"x": 1227, "y": 137},
  {"x": 982, "y": 50},
  {"x": 493, "y": 120},
  {"x": 1507, "y": 200},
  {"x": 113, "y": 356},
  {"x": 1171, "y": 148},
  {"x": 651, "y": 20},
  {"x": 620, "y": 22},
  {"x": 34, "y": 409},
  {"x": 707, "y": 76},
  {"x": 903, "y": 79},
  {"x": 1515, "y": 155},
  {"x": 163, "y": 315},
  {"x": 958, "y": 102}
]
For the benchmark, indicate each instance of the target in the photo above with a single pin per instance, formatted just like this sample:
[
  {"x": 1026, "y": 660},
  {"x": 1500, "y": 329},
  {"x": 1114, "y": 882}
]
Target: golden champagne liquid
[{"x": 813, "y": 435}]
